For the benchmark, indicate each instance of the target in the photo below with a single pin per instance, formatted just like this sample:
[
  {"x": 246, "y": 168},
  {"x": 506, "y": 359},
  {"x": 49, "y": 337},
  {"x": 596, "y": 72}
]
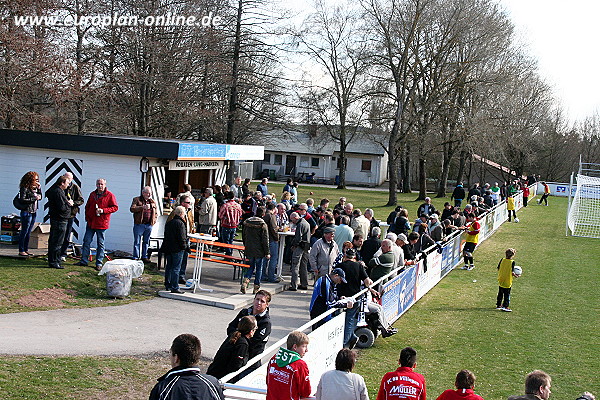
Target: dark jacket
[
  {"x": 182, "y": 383},
  {"x": 74, "y": 193},
  {"x": 302, "y": 236},
  {"x": 369, "y": 247},
  {"x": 271, "y": 222},
  {"x": 422, "y": 207},
  {"x": 29, "y": 197},
  {"x": 261, "y": 336},
  {"x": 458, "y": 193},
  {"x": 255, "y": 237},
  {"x": 57, "y": 203},
  {"x": 175, "y": 239},
  {"x": 229, "y": 358}
]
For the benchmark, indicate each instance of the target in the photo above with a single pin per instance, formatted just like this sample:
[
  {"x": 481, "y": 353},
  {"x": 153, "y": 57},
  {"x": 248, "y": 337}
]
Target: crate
[
  {"x": 11, "y": 223},
  {"x": 9, "y": 237}
]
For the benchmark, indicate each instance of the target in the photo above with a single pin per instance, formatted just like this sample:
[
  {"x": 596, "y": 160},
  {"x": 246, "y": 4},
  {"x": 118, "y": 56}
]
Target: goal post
[{"x": 584, "y": 211}]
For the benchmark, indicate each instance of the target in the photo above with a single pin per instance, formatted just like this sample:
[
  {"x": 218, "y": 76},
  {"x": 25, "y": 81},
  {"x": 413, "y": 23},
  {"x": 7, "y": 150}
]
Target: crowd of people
[{"x": 288, "y": 375}]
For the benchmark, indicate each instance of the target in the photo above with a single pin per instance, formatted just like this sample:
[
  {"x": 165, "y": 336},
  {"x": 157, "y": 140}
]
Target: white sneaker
[
  {"x": 465, "y": 267},
  {"x": 506, "y": 309},
  {"x": 63, "y": 258},
  {"x": 499, "y": 308},
  {"x": 470, "y": 268}
]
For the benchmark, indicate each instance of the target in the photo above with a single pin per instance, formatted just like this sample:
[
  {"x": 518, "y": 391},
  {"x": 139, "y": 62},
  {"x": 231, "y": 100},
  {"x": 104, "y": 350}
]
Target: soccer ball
[
  {"x": 311, "y": 193},
  {"x": 516, "y": 219},
  {"x": 517, "y": 270}
]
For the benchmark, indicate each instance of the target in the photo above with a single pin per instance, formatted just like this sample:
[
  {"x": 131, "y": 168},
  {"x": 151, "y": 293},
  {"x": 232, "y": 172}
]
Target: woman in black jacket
[
  {"x": 29, "y": 195},
  {"x": 174, "y": 247},
  {"x": 234, "y": 352}
]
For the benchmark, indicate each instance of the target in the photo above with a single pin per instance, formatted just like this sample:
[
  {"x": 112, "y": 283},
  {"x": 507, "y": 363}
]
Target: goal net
[{"x": 584, "y": 214}]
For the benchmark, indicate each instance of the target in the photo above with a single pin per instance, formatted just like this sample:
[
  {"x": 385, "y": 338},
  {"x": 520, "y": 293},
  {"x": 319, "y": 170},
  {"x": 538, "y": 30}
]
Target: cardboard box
[{"x": 39, "y": 236}]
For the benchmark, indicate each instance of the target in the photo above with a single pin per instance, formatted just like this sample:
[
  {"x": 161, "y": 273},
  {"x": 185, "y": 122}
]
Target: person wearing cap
[
  {"x": 323, "y": 253},
  {"x": 407, "y": 254},
  {"x": 355, "y": 275},
  {"x": 325, "y": 296},
  {"x": 426, "y": 208}
]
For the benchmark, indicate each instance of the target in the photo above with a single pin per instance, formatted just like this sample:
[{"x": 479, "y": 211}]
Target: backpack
[{"x": 19, "y": 205}]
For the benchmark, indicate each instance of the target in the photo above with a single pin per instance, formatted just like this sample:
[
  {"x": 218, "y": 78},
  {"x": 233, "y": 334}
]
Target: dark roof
[{"x": 141, "y": 146}]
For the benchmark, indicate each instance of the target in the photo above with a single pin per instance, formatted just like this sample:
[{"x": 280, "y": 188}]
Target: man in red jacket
[
  {"x": 100, "y": 205},
  {"x": 287, "y": 373},
  {"x": 403, "y": 383}
]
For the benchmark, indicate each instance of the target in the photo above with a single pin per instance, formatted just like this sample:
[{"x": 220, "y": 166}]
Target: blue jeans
[
  {"x": 227, "y": 235},
  {"x": 271, "y": 264},
  {"x": 173, "y": 263},
  {"x": 457, "y": 202},
  {"x": 87, "y": 241},
  {"x": 141, "y": 231},
  {"x": 27, "y": 221},
  {"x": 255, "y": 264},
  {"x": 350, "y": 325}
]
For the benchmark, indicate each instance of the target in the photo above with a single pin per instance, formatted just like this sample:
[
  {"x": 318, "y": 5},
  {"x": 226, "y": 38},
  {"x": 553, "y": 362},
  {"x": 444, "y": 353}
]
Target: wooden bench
[{"x": 236, "y": 262}]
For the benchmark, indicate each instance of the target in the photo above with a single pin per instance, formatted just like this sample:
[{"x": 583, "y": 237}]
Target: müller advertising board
[{"x": 181, "y": 165}]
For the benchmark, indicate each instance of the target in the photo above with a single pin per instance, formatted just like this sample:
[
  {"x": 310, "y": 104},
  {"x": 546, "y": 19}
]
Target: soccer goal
[{"x": 584, "y": 210}]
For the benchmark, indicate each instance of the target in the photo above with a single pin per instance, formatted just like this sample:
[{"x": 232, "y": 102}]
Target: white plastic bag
[{"x": 119, "y": 274}]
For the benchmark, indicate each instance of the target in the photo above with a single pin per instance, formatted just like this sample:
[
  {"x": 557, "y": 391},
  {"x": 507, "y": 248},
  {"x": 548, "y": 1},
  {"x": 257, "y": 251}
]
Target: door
[{"x": 290, "y": 165}]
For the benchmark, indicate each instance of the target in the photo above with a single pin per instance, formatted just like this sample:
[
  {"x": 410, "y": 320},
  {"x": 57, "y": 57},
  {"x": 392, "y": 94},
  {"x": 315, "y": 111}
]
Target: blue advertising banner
[{"x": 399, "y": 294}]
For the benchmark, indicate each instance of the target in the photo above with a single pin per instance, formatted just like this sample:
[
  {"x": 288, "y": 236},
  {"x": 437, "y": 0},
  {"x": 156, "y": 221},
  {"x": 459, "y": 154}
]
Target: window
[
  {"x": 267, "y": 159},
  {"x": 304, "y": 161},
  {"x": 314, "y": 162},
  {"x": 278, "y": 159},
  {"x": 365, "y": 165}
]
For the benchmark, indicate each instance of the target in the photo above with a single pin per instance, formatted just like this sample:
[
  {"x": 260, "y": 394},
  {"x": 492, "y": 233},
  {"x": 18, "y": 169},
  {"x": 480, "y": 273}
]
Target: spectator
[
  {"x": 234, "y": 352},
  {"x": 144, "y": 216},
  {"x": 262, "y": 187},
  {"x": 403, "y": 380},
  {"x": 272, "y": 226},
  {"x": 407, "y": 250},
  {"x": 207, "y": 215},
  {"x": 326, "y": 222},
  {"x": 236, "y": 188},
  {"x": 401, "y": 224},
  {"x": 506, "y": 273},
  {"x": 188, "y": 219},
  {"x": 496, "y": 193},
  {"x": 287, "y": 373},
  {"x": 360, "y": 224},
  {"x": 286, "y": 200},
  {"x": 343, "y": 232},
  {"x": 355, "y": 274},
  {"x": 29, "y": 196},
  {"x": 174, "y": 247},
  {"x": 303, "y": 212},
  {"x": 421, "y": 220},
  {"x": 98, "y": 209},
  {"x": 294, "y": 193},
  {"x": 341, "y": 383},
  {"x": 371, "y": 245},
  {"x": 300, "y": 247},
  {"x": 384, "y": 263},
  {"x": 288, "y": 185},
  {"x": 324, "y": 204},
  {"x": 370, "y": 215},
  {"x": 458, "y": 219},
  {"x": 184, "y": 380},
  {"x": 503, "y": 190},
  {"x": 230, "y": 215},
  {"x": 447, "y": 211},
  {"x": 436, "y": 230},
  {"x": 323, "y": 253},
  {"x": 537, "y": 386},
  {"x": 357, "y": 242},
  {"x": 474, "y": 191},
  {"x": 448, "y": 228},
  {"x": 310, "y": 204},
  {"x": 187, "y": 192},
  {"x": 348, "y": 210},
  {"x": 342, "y": 254},
  {"x": 247, "y": 207},
  {"x": 259, "y": 310},
  {"x": 340, "y": 205},
  {"x": 219, "y": 197},
  {"x": 59, "y": 207},
  {"x": 281, "y": 216},
  {"x": 255, "y": 235},
  {"x": 245, "y": 188},
  {"x": 420, "y": 242},
  {"x": 426, "y": 208},
  {"x": 392, "y": 218},
  {"x": 488, "y": 200},
  {"x": 472, "y": 229},
  {"x": 73, "y": 192},
  {"x": 464, "y": 383},
  {"x": 325, "y": 296},
  {"x": 458, "y": 195}
]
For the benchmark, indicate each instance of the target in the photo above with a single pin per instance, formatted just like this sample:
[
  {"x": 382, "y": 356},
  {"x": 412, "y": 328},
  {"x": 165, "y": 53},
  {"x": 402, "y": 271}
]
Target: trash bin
[{"x": 119, "y": 275}]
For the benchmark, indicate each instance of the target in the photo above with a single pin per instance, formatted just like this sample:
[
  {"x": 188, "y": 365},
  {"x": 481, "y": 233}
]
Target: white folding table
[{"x": 199, "y": 259}]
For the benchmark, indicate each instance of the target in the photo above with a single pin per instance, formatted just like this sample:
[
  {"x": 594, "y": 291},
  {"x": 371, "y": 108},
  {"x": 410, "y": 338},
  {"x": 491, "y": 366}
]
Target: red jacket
[
  {"x": 402, "y": 383},
  {"x": 107, "y": 202},
  {"x": 290, "y": 382},
  {"x": 525, "y": 191},
  {"x": 459, "y": 394}
]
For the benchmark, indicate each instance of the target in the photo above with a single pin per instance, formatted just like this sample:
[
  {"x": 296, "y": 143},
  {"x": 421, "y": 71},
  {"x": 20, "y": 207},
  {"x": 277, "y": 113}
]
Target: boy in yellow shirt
[{"x": 505, "y": 278}]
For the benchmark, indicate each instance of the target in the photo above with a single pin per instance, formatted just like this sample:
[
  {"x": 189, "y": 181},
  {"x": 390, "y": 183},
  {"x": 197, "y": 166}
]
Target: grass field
[
  {"x": 554, "y": 325},
  {"x": 455, "y": 326}
]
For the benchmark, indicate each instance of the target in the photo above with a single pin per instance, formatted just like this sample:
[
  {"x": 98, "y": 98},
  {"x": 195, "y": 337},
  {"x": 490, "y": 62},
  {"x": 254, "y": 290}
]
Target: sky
[{"x": 563, "y": 36}]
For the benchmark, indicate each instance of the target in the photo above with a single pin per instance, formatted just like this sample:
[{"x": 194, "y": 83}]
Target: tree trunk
[
  {"x": 443, "y": 181},
  {"x": 461, "y": 166},
  {"x": 233, "y": 95},
  {"x": 422, "y": 179},
  {"x": 393, "y": 169},
  {"x": 406, "y": 183}
]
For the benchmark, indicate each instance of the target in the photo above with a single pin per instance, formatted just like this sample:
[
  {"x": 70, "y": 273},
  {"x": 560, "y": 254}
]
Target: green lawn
[{"x": 553, "y": 326}]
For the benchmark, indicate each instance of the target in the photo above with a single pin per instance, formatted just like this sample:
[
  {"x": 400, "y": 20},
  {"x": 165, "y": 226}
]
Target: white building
[
  {"x": 290, "y": 154},
  {"x": 127, "y": 164}
]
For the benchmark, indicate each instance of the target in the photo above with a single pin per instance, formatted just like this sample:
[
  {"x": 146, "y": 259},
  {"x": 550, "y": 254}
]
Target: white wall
[{"x": 121, "y": 173}]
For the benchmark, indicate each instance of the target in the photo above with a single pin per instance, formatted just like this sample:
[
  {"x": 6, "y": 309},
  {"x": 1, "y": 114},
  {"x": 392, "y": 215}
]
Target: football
[{"x": 517, "y": 270}]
